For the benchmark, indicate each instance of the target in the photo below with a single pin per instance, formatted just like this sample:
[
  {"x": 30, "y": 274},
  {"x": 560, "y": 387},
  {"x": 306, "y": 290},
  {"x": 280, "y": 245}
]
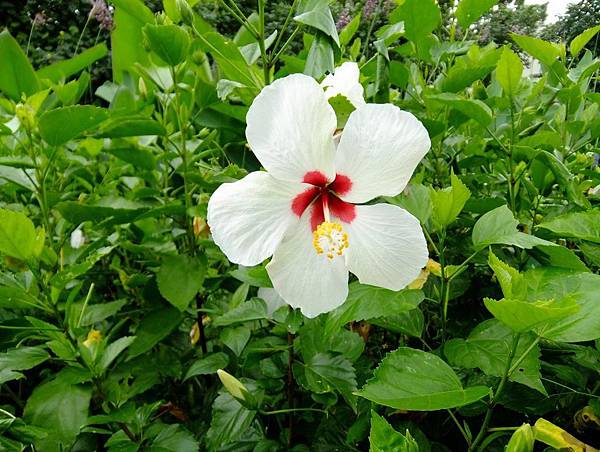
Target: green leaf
[
  {"x": 420, "y": 18},
  {"x": 208, "y": 364},
  {"x": 509, "y": 71},
  {"x": 230, "y": 60},
  {"x": 254, "y": 309},
  {"x": 320, "y": 57},
  {"x": 384, "y": 438},
  {"x": 16, "y": 73},
  {"x": 576, "y": 225},
  {"x": 18, "y": 236},
  {"x": 548, "y": 283},
  {"x": 316, "y": 13},
  {"x": 552, "y": 435},
  {"x": 473, "y": 108},
  {"x": 230, "y": 422},
  {"x": 255, "y": 276},
  {"x": 449, "y": 202},
  {"x": 170, "y": 42},
  {"x": 343, "y": 108},
  {"x": 325, "y": 372},
  {"x": 127, "y": 40},
  {"x": 21, "y": 358},
  {"x": 545, "y": 51},
  {"x": 409, "y": 379},
  {"x": 579, "y": 41},
  {"x": 98, "y": 312},
  {"x": 475, "y": 65},
  {"x": 416, "y": 198},
  {"x": 366, "y": 302},
  {"x": 499, "y": 227},
  {"x": 348, "y": 32},
  {"x": 113, "y": 350},
  {"x": 62, "y": 70},
  {"x": 63, "y": 124},
  {"x": 131, "y": 127},
  {"x": 469, "y": 11},
  {"x": 153, "y": 328},
  {"x": 174, "y": 438},
  {"x": 180, "y": 278},
  {"x": 235, "y": 338},
  {"x": 487, "y": 348},
  {"x": 564, "y": 178},
  {"x": 522, "y": 316},
  {"x": 61, "y": 409}
]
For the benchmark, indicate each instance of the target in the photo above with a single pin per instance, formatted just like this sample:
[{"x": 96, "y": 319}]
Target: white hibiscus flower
[
  {"x": 345, "y": 81},
  {"x": 303, "y": 211}
]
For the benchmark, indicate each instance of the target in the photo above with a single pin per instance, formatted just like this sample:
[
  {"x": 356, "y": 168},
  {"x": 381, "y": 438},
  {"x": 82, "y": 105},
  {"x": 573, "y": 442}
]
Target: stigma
[{"x": 330, "y": 239}]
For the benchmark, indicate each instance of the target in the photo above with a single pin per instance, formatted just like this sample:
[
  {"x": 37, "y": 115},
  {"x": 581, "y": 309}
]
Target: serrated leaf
[
  {"x": 509, "y": 71},
  {"x": 487, "y": 348},
  {"x": 409, "y": 379}
]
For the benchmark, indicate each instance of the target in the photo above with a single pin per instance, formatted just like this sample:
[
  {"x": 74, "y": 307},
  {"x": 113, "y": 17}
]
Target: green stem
[
  {"x": 494, "y": 400},
  {"x": 286, "y": 23},
  {"x": 261, "y": 42},
  {"x": 83, "y": 32},
  {"x": 275, "y": 58},
  {"x": 460, "y": 427}
]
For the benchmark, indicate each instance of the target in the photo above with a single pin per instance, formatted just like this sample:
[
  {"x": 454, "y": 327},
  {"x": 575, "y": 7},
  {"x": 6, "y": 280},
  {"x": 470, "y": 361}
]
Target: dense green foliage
[{"x": 124, "y": 327}]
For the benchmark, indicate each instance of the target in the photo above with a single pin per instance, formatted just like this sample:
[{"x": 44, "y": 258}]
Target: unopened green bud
[
  {"x": 25, "y": 115},
  {"x": 522, "y": 440},
  {"x": 234, "y": 386},
  {"x": 186, "y": 12},
  {"x": 142, "y": 88}
]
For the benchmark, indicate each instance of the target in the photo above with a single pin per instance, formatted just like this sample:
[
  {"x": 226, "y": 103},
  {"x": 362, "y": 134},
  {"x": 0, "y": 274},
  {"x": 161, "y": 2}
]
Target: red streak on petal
[
  {"x": 301, "y": 201},
  {"x": 316, "y": 178},
  {"x": 316, "y": 215},
  {"x": 343, "y": 210},
  {"x": 341, "y": 185}
]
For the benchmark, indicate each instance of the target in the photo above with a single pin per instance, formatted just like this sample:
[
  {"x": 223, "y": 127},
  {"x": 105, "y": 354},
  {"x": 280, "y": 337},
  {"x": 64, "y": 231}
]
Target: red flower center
[{"x": 322, "y": 195}]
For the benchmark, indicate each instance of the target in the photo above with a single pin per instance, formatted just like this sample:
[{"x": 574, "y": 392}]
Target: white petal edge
[
  {"x": 345, "y": 81},
  {"x": 272, "y": 299},
  {"x": 290, "y": 128},
  {"x": 387, "y": 246},
  {"x": 249, "y": 218},
  {"x": 305, "y": 279},
  {"x": 379, "y": 150}
]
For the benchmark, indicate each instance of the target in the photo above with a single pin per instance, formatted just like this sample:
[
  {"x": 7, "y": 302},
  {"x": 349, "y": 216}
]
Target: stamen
[{"x": 330, "y": 239}]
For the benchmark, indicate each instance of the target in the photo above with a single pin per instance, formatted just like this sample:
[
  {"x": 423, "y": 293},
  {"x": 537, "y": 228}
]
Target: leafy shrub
[{"x": 125, "y": 327}]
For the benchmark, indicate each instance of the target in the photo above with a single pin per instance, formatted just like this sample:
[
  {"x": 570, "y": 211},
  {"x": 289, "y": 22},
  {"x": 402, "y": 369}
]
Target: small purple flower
[
  {"x": 102, "y": 14},
  {"x": 596, "y": 160},
  {"x": 343, "y": 19},
  {"x": 369, "y": 8}
]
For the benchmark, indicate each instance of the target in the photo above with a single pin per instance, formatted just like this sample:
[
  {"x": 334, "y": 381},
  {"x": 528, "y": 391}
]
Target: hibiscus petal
[
  {"x": 249, "y": 218},
  {"x": 305, "y": 279},
  {"x": 345, "y": 81},
  {"x": 290, "y": 128},
  {"x": 387, "y": 246},
  {"x": 271, "y": 298},
  {"x": 379, "y": 150}
]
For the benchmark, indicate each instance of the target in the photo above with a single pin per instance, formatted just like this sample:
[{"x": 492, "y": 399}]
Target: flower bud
[
  {"x": 25, "y": 115},
  {"x": 142, "y": 88},
  {"x": 186, "y": 12},
  {"x": 522, "y": 440},
  {"x": 94, "y": 337},
  {"x": 233, "y": 385}
]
